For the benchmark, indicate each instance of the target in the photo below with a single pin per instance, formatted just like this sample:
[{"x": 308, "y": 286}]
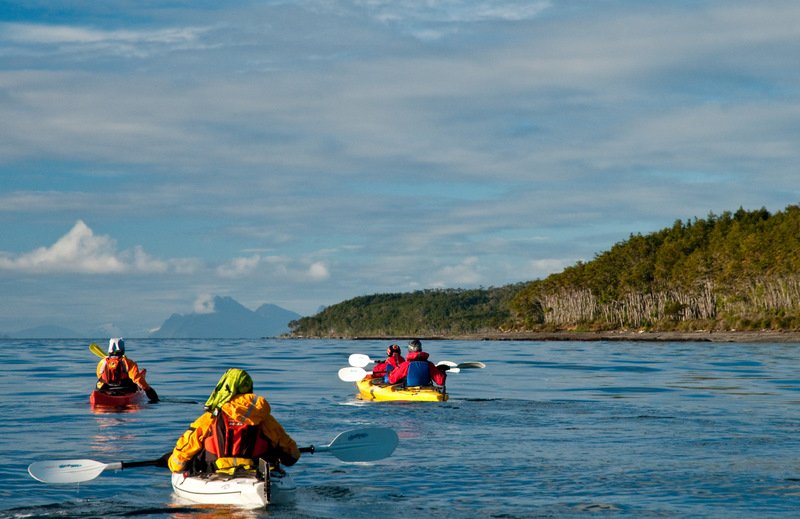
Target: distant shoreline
[{"x": 727, "y": 336}]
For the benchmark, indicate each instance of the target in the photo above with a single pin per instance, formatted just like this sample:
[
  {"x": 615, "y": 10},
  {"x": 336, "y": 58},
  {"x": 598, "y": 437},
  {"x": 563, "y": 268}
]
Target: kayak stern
[
  {"x": 375, "y": 389},
  {"x": 241, "y": 491}
]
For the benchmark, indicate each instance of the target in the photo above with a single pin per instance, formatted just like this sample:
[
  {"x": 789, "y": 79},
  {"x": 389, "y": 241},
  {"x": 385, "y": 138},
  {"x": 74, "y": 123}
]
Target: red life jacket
[
  {"x": 115, "y": 372},
  {"x": 233, "y": 439}
]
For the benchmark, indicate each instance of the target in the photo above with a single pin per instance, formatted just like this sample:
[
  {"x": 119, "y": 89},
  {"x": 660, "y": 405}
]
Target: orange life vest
[
  {"x": 115, "y": 372},
  {"x": 231, "y": 438}
]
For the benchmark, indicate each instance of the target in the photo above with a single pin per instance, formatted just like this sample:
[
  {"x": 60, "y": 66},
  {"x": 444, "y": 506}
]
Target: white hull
[{"x": 245, "y": 492}]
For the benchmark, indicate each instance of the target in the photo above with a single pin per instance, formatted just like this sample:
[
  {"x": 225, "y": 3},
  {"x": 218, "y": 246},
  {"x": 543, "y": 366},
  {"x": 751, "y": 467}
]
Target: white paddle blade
[
  {"x": 359, "y": 360},
  {"x": 471, "y": 365},
  {"x": 367, "y": 444},
  {"x": 448, "y": 363},
  {"x": 352, "y": 374},
  {"x": 68, "y": 471}
]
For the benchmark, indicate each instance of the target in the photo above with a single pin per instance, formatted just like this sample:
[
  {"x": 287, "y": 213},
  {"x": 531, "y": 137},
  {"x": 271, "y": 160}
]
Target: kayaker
[
  {"x": 235, "y": 431},
  {"x": 417, "y": 370},
  {"x": 393, "y": 360},
  {"x": 117, "y": 371}
]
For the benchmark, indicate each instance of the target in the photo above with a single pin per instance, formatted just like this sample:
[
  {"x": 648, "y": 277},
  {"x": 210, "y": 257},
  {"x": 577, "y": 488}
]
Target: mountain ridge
[{"x": 228, "y": 320}]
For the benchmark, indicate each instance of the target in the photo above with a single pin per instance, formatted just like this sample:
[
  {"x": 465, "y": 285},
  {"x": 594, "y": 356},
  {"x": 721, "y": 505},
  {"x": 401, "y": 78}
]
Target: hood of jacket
[
  {"x": 233, "y": 382},
  {"x": 247, "y": 408}
]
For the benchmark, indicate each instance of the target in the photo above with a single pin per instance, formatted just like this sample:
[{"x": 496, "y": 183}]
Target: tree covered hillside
[
  {"x": 421, "y": 313},
  {"x": 734, "y": 271}
]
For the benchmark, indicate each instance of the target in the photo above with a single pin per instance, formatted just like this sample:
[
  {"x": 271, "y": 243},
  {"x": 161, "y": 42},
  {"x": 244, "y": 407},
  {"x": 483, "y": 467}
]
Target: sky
[{"x": 156, "y": 154}]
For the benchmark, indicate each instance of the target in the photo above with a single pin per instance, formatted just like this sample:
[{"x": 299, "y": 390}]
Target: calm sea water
[{"x": 548, "y": 429}]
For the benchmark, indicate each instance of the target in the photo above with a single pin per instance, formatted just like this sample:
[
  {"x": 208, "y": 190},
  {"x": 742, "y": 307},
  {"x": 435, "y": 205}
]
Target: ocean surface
[{"x": 547, "y": 429}]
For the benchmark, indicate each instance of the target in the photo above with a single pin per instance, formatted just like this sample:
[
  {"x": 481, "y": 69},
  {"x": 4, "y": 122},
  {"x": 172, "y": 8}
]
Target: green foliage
[
  {"x": 423, "y": 313},
  {"x": 734, "y": 269},
  {"x": 737, "y": 270}
]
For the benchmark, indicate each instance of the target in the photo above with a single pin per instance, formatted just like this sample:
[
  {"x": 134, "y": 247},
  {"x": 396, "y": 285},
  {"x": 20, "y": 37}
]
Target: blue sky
[{"x": 156, "y": 154}]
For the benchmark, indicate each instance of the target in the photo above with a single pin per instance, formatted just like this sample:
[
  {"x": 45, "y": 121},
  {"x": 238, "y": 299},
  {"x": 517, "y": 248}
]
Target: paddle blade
[
  {"x": 359, "y": 360},
  {"x": 471, "y": 365},
  {"x": 352, "y": 374},
  {"x": 68, "y": 471},
  {"x": 369, "y": 444},
  {"x": 97, "y": 350}
]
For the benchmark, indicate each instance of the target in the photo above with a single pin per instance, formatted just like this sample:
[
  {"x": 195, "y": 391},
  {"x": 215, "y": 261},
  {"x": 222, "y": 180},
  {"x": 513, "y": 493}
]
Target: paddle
[
  {"x": 368, "y": 444},
  {"x": 97, "y": 350},
  {"x": 359, "y": 360},
  {"x": 452, "y": 367},
  {"x": 78, "y": 471},
  {"x": 352, "y": 374}
]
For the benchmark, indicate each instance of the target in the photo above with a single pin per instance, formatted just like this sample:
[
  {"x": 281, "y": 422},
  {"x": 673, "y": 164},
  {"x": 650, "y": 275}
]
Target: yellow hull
[{"x": 374, "y": 389}]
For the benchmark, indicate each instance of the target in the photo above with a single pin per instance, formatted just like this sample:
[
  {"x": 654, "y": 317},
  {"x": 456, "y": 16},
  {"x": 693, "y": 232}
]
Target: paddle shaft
[{"x": 133, "y": 464}]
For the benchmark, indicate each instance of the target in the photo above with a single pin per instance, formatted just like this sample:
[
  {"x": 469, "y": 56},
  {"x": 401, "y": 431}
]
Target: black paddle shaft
[{"x": 160, "y": 462}]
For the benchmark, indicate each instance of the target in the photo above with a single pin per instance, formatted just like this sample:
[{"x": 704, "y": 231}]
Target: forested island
[{"x": 738, "y": 271}]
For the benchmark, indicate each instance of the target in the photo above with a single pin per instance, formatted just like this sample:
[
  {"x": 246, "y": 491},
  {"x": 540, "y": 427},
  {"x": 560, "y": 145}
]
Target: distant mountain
[
  {"x": 47, "y": 332},
  {"x": 228, "y": 320}
]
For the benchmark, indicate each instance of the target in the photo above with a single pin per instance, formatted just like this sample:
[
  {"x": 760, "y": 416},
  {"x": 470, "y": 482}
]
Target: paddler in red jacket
[
  {"x": 235, "y": 431},
  {"x": 393, "y": 361},
  {"x": 118, "y": 371},
  {"x": 417, "y": 370}
]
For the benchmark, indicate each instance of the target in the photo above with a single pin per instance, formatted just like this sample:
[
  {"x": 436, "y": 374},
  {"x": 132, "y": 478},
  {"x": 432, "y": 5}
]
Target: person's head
[
  {"x": 415, "y": 345},
  {"x": 394, "y": 349},
  {"x": 233, "y": 382},
  {"x": 116, "y": 347}
]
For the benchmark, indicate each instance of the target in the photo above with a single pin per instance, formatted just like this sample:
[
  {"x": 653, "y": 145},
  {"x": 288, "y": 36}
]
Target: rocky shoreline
[{"x": 621, "y": 335}]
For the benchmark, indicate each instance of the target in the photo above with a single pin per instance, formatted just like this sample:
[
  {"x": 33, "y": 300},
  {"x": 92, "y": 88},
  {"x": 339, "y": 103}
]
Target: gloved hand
[
  {"x": 151, "y": 395},
  {"x": 162, "y": 461}
]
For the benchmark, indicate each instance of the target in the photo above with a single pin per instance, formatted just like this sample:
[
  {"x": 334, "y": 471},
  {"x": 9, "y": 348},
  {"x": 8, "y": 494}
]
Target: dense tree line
[
  {"x": 444, "y": 312},
  {"x": 737, "y": 270},
  {"x": 733, "y": 271}
]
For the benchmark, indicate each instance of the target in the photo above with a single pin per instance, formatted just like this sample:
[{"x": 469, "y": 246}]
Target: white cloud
[
  {"x": 77, "y": 251},
  {"x": 80, "y": 251},
  {"x": 545, "y": 267},
  {"x": 204, "y": 304},
  {"x": 318, "y": 271},
  {"x": 465, "y": 273},
  {"x": 110, "y": 329},
  {"x": 124, "y": 41},
  {"x": 239, "y": 267},
  {"x": 454, "y": 11}
]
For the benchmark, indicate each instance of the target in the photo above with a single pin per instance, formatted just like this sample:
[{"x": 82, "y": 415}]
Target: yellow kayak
[{"x": 376, "y": 389}]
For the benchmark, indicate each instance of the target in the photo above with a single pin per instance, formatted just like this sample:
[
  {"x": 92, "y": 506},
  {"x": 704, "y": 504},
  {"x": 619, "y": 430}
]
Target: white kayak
[{"x": 242, "y": 491}]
